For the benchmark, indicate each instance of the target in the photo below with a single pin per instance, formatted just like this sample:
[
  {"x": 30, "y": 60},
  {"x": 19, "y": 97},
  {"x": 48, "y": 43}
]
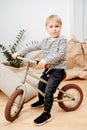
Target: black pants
[{"x": 56, "y": 76}]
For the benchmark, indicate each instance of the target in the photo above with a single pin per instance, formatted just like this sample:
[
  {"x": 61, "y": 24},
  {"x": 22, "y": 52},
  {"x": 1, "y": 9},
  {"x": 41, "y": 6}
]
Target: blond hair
[{"x": 53, "y": 18}]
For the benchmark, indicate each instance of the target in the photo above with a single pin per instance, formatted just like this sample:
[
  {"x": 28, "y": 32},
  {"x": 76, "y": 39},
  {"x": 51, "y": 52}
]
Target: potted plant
[{"x": 12, "y": 49}]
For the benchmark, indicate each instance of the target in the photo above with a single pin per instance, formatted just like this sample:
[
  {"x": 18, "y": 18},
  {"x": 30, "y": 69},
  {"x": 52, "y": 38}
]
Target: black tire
[
  {"x": 75, "y": 101},
  {"x": 14, "y": 105}
]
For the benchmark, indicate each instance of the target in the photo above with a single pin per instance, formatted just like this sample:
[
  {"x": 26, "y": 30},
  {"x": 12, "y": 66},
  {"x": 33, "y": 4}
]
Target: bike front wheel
[
  {"x": 70, "y": 97},
  {"x": 14, "y": 105}
]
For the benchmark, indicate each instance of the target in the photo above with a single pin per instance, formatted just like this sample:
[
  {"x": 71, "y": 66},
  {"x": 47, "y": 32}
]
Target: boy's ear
[{"x": 46, "y": 29}]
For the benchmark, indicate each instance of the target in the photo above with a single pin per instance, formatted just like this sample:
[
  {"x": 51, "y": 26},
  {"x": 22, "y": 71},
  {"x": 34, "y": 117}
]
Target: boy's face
[{"x": 53, "y": 29}]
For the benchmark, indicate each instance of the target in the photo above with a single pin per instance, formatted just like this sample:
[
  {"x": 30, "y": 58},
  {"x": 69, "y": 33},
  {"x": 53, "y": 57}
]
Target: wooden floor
[{"x": 61, "y": 120}]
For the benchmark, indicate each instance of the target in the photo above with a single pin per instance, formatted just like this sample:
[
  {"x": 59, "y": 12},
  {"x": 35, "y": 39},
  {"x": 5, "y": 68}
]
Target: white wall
[
  {"x": 78, "y": 19},
  {"x": 30, "y": 15}
]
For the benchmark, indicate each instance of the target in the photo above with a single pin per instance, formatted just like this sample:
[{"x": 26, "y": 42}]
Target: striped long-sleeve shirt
[{"x": 54, "y": 52}]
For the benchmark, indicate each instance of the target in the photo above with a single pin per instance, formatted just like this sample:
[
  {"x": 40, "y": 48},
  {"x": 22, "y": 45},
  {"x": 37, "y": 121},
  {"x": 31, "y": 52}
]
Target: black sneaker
[
  {"x": 42, "y": 119},
  {"x": 37, "y": 104}
]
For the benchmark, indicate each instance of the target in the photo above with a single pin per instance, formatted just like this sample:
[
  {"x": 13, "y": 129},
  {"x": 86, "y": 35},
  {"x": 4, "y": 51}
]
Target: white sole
[
  {"x": 37, "y": 107},
  {"x": 43, "y": 122}
]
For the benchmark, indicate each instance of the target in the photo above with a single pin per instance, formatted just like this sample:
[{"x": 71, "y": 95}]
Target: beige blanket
[{"x": 76, "y": 60}]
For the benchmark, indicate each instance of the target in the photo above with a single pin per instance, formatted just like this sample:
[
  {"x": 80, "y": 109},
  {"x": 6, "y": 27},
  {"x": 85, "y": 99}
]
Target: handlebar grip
[{"x": 47, "y": 66}]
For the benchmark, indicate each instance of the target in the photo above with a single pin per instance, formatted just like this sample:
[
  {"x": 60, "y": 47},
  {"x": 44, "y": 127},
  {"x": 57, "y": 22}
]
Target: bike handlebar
[
  {"x": 27, "y": 60},
  {"x": 33, "y": 61}
]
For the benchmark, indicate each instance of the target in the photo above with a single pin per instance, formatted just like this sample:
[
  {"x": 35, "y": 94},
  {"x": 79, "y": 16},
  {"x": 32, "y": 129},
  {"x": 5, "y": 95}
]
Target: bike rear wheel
[
  {"x": 14, "y": 105},
  {"x": 70, "y": 97}
]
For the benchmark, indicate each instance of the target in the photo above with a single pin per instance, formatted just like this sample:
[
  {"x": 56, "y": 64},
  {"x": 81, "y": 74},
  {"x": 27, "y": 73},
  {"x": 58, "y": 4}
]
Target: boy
[{"x": 54, "y": 53}]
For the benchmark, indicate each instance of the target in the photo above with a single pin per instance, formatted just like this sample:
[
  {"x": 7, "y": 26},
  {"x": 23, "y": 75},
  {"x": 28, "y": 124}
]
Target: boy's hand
[
  {"x": 14, "y": 56},
  {"x": 42, "y": 63}
]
